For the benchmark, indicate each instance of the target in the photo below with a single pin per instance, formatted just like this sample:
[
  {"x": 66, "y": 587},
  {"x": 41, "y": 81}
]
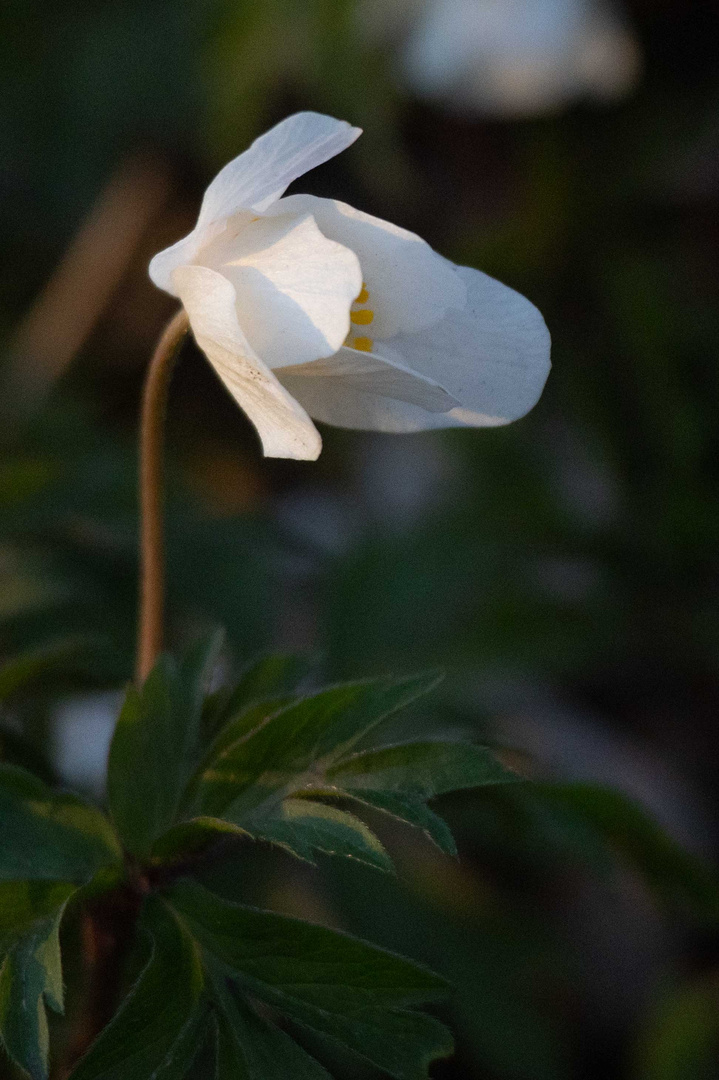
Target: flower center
[{"x": 360, "y": 315}]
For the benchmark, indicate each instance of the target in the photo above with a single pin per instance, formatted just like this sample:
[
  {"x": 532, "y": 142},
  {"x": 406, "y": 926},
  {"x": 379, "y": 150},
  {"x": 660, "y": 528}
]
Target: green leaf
[
  {"x": 49, "y": 836},
  {"x": 303, "y": 827},
  {"x": 410, "y": 810},
  {"x": 196, "y": 671},
  {"x": 331, "y": 983},
  {"x": 273, "y": 757},
  {"x": 248, "y": 1048},
  {"x": 275, "y": 676},
  {"x": 25, "y": 903},
  {"x": 156, "y": 746},
  {"x": 671, "y": 871},
  {"x": 30, "y": 979},
  {"x": 189, "y": 837},
  {"x": 54, "y": 656},
  {"x": 243, "y": 724},
  {"x": 421, "y": 770},
  {"x": 158, "y": 1029}
]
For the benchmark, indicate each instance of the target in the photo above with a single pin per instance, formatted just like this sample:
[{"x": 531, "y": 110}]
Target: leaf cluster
[{"x": 239, "y": 991}]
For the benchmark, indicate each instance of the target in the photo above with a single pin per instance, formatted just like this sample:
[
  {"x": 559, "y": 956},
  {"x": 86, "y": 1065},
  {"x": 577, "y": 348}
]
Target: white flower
[
  {"x": 520, "y": 57},
  {"x": 306, "y": 308}
]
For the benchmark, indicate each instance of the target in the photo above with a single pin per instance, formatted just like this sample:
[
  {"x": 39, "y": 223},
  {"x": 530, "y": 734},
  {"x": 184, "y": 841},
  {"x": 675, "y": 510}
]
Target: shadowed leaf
[{"x": 48, "y": 836}]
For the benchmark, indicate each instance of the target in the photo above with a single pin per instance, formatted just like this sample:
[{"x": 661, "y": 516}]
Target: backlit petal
[
  {"x": 284, "y": 427},
  {"x": 256, "y": 179},
  {"x": 322, "y": 384},
  {"x": 493, "y": 358},
  {"x": 294, "y": 287},
  {"x": 410, "y": 286}
]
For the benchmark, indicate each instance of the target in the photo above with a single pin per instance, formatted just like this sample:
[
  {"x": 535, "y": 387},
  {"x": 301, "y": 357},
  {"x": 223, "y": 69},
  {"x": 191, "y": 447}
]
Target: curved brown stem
[{"x": 152, "y": 452}]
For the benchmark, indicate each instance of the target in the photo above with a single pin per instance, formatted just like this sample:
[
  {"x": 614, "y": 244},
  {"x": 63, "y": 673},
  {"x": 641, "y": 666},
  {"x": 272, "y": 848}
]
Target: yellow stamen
[
  {"x": 363, "y": 296},
  {"x": 364, "y": 344},
  {"x": 362, "y": 318}
]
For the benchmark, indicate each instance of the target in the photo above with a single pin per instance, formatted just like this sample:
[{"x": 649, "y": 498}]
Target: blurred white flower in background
[
  {"x": 510, "y": 58},
  {"x": 83, "y": 730},
  {"x": 307, "y": 307}
]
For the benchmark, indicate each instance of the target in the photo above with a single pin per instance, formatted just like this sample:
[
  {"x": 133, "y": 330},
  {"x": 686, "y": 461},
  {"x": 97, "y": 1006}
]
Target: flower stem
[{"x": 152, "y": 452}]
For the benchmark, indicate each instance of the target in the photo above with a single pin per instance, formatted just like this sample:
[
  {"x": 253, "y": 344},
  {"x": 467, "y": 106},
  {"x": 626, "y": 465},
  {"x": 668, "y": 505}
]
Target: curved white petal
[
  {"x": 284, "y": 427},
  {"x": 410, "y": 286},
  {"x": 256, "y": 179},
  {"x": 337, "y": 402},
  {"x": 492, "y": 357},
  {"x": 163, "y": 265},
  {"x": 322, "y": 384},
  {"x": 294, "y": 287}
]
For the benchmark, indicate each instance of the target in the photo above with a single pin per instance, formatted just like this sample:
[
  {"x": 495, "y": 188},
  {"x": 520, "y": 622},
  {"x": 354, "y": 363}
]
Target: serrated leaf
[
  {"x": 249, "y": 1048},
  {"x": 49, "y": 836},
  {"x": 421, "y": 770},
  {"x": 30, "y": 979},
  {"x": 410, "y": 810},
  {"x": 332, "y": 983},
  {"x": 156, "y": 746},
  {"x": 304, "y": 827},
  {"x": 243, "y": 724},
  {"x": 269, "y": 677},
  {"x": 273, "y": 757},
  {"x": 158, "y": 1029}
]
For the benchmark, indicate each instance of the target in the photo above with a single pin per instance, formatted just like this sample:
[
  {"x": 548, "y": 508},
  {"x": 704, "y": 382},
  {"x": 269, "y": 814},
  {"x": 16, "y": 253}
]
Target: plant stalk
[{"x": 152, "y": 454}]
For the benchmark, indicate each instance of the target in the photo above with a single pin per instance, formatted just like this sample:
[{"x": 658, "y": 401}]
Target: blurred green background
[{"x": 564, "y": 570}]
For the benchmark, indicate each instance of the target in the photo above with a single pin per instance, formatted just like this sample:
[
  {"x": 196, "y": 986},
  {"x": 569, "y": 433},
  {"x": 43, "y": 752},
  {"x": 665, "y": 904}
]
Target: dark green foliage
[
  {"x": 245, "y": 992},
  {"x": 259, "y": 778},
  {"x": 266, "y": 679},
  {"x": 592, "y": 814},
  {"x": 49, "y": 836},
  {"x": 51, "y": 659},
  {"x": 249, "y": 1048},
  {"x": 157, "y": 744},
  {"x": 271, "y": 769},
  {"x": 30, "y": 979},
  {"x": 212, "y": 962},
  {"x": 49, "y": 844},
  {"x": 157, "y": 1029},
  {"x": 219, "y": 977}
]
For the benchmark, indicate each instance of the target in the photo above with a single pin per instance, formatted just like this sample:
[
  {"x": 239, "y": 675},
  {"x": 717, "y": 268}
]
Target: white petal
[
  {"x": 321, "y": 385},
  {"x": 259, "y": 176},
  {"x": 256, "y": 179},
  {"x": 493, "y": 358},
  {"x": 334, "y": 401},
  {"x": 294, "y": 286},
  {"x": 284, "y": 427},
  {"x": 410, "y": 286},
  {"x": 164, "y": 264}
]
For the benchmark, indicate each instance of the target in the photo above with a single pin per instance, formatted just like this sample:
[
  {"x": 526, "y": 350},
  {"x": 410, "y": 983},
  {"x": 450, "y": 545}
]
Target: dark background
[{"x": 564, "y": 570}]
